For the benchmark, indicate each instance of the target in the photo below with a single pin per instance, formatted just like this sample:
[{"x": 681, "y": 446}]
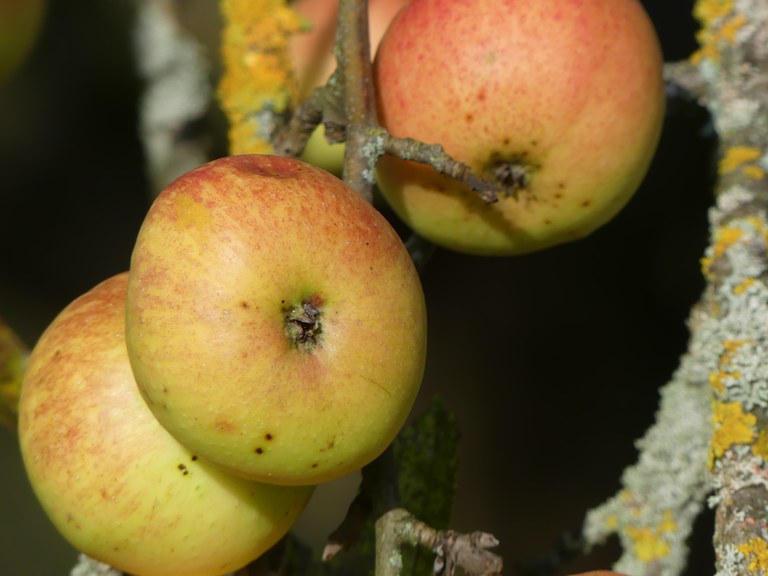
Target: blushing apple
[
  {"x": 312, "y": 55},
  {"x": 564, "y": 98},
  {"x": 275, "y": 322},
  {"x": 113, "y": 481},
  {"x": 20, "y": 23}
]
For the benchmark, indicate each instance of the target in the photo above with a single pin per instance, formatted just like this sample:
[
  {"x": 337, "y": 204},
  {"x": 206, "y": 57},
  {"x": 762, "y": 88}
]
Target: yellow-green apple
[
  {"x": 559, "y": 101},
  {"x": 275, "y": 322},
  {"x": 312, "y": 55},
  {"x": 20, "y": 23},
  {"x": 113, "y": 481}
]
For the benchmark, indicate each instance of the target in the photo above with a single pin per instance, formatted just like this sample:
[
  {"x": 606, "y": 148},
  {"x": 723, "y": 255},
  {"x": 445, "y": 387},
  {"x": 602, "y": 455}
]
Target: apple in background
[
  {"x": 312, "y": 55},
  {"x": 20, "y": 23},
  {"x": 566, "y": 97},
  {"x": 276, "y": 324},
  {"x": 116, "y": 485}
]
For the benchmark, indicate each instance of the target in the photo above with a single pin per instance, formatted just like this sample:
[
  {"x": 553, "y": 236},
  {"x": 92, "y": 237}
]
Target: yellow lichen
[
  {"x": 731, "y": 426},
  {"x": 257, "y": 82},
  {"x": 719, "y": 27},
  {"x": 760, "y": 447},
  {"x": 737, "y": 156},
  {"x": 756, "y": 551},
  {"x": 649, "y": 544},
  {"x": 743, "y": 286},
  {"x": 753, "y": 172},
  {"x": 725, "y": 237}
]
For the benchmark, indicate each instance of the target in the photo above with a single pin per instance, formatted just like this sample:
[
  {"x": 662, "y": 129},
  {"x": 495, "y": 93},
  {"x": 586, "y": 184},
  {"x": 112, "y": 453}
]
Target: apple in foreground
[
  {"x": 115, "y": 484},
  {"x": 561, "y": 102},
  {"x": 312, "y": 55},
  {"x": 276, "y": 324}
]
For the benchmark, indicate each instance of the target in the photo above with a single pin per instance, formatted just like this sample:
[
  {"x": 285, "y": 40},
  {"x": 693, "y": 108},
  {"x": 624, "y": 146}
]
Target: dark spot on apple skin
[
  {"x": 183, "y": 469},
  {"x": 268, "y": 436},
  {"x": 505, "y": 141},
  {"x": 586, "y": 203},
  {"x": 468, "y": 118},
  {"x": 481, "y": 95},
  {"x": 315, "y": 465},
  {"x": 259, "y": 450},
  {"x": 244, "y": 305},
  {"x": 194, "y": 457},
  {"x": 547, "y": 222}
]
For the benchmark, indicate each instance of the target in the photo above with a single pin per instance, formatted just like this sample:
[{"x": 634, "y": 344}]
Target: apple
[
  {"x": 20, "y": 23},
  {"x": 563, "y": 99},
  {"x": 276, "y": 324},
  {"x": 312, "y": 55},
  {"x": 115, "y": 484}
]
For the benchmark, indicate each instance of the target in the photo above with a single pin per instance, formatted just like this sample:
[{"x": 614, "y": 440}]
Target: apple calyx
[
  {"x": 302, "y": 325},
  {"x": 513, "y": 174}
]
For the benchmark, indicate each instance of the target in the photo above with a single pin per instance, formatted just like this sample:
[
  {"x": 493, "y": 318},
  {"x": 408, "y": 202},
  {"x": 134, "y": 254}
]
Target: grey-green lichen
[{"x": 664, "y": 492}]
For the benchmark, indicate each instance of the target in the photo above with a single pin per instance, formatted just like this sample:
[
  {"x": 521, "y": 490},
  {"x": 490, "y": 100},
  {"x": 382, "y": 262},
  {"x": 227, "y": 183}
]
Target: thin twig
[
  {"x": 452, "y": 549},
  {"x": 353, "y": 44}
]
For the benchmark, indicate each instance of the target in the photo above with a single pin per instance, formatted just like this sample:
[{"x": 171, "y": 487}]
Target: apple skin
[
  {"x": 312, "y": 55},
  {"x": 115, "y": 484},
  {"x": 230, "y": 251},
  {"x": 20, "y": 23},
  {"x": 572, "y": 90}
]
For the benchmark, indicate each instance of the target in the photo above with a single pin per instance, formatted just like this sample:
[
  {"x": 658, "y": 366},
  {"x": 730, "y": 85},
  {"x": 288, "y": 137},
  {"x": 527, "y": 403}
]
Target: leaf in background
[
  {"x": 426, "y": 452},
  {"x": 13, "y": 359}
]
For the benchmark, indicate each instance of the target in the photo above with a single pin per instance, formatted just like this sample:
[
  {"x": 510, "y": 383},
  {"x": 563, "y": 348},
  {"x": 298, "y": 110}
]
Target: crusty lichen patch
[
  {"x": 257, "y": 85},
  {"x": 731, "y": 426},
  {"x": 743, "y": 159},
  {"x": 756, "y": 552},
  {"x": 719, "y": 28}
]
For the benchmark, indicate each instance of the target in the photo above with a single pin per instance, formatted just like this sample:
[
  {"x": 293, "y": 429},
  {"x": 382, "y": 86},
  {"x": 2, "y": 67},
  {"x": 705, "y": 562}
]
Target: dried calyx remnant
[
  {"x": 514, "y": 173},
  {"x": 302, "y": 324}
]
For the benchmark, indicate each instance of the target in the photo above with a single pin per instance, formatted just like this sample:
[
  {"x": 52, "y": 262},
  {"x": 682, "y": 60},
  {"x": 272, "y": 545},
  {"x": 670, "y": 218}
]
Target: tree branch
[
  {"x": 468, "y": 551},
  {"x": 353, "y": 45},
  {"x": 723, "y": 380},
  {"x": 176, "y": 95}
]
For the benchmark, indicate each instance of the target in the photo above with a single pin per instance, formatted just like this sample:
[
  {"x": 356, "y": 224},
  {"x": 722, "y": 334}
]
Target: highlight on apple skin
[
  {"x": 563, "y": 99},
  {"x": 114, "y": 483},
  {"x": 276, "y": 324}
]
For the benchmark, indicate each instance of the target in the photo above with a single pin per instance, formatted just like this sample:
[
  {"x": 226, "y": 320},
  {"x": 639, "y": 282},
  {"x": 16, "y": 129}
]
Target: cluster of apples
[{"x": 270, "y": 334}]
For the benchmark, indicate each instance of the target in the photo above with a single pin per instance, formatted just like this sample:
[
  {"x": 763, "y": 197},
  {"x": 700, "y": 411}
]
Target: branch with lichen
[
  {"x": 257, "y": 86},
  {"x": 177, "y": 91},
  {"x": 471, "y": 552},
  {"x": 711, "y": 432}
]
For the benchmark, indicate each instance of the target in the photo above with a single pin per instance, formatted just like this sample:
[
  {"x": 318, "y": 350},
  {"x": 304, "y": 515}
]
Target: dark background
[{"x": 551, "y": 361}]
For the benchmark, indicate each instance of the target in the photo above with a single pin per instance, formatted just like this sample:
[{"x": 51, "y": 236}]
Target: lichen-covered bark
[
  {"x": 177, "y": 91},
  {"x": 720, "y": 392},
  {"x": 257, "y": 86}
]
